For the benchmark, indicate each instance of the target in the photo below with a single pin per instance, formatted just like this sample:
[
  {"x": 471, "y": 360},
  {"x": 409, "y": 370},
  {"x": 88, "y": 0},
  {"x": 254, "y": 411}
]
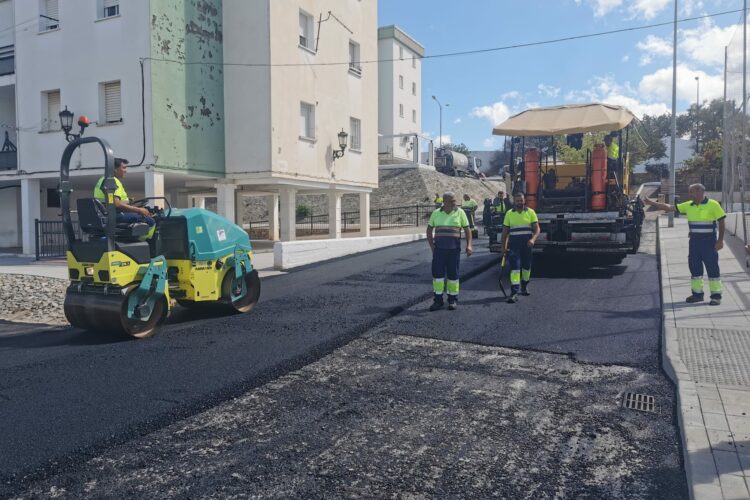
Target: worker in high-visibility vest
[
  {"x": 704, "y": 216},
  {"x": 126, "y": 213},
  {"x": 438, "y": 200},
  {"x": 444, "y": 237},
  {"x": 501, "y": 203},
  {"x": 520, "y": 231},
  {"x": 470, "y": 207},
  {"x": 613, "y": 153}
]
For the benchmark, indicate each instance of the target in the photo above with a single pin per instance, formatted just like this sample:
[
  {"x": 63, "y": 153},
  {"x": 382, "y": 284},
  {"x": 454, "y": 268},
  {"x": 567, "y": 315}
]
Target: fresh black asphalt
[{"x": 66, "y": 394}]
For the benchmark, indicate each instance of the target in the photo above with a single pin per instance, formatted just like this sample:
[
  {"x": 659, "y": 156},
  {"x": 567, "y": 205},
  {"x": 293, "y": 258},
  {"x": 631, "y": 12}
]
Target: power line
[{"x": 461, "y": 53}]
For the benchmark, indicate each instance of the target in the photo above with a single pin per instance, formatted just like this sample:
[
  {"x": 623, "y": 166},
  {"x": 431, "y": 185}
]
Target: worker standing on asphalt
[
  {"x": 520, "y": 231},
  {"x": 470, "y": 207},
  {"x": 444, "y": 237},
  {"x": 501, "y": 203},
  {"x": 704, "y": 215},
  {"x": 438, "y": 200}
]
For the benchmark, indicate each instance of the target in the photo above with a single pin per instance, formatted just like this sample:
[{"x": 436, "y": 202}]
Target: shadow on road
[{"x": 53, "y": 337}]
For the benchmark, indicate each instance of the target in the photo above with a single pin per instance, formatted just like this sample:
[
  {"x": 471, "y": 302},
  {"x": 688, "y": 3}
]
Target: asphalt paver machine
[
  {"x": 121, "y": 283},
  {"x": 583, "y": 207}
]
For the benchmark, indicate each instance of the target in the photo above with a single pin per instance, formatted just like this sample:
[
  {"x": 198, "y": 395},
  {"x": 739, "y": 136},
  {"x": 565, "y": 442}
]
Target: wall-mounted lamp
[
  {"x": 343, "y": 141},
  {"x": 66, "y": 122}
]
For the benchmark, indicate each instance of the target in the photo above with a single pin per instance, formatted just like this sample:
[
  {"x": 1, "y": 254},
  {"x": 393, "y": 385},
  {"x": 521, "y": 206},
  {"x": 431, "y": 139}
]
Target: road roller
[{"x": 123, "y": 283}]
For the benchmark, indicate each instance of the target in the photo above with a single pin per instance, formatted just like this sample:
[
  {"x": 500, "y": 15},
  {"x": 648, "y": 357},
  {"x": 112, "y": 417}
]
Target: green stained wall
[{"x": 187, "y": 99}]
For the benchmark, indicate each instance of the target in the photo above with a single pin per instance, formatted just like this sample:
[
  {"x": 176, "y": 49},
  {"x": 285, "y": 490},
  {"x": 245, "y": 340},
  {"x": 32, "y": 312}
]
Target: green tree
[
  {"x": 709, "y": 119},
  {"x": 458, "y": 148}
]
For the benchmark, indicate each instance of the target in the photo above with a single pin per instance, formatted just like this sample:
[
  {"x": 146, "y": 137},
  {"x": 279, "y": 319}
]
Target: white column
[
  {"x": 30, "y": 211},
  {"x": 287, "y": 214},
  {"x": 225, "y": 201},
  {"x": 239, "y": 207},
  {"x": 364, "y": 215},
  {"x": 199, "y": 201},
  {"x": 154, "y": 187},
  {"x": 416, "y": 145},
  {"x": 431, "y": 154},
  {"x": 272, "y": 204},
  {"x": 334, "y": 214}
]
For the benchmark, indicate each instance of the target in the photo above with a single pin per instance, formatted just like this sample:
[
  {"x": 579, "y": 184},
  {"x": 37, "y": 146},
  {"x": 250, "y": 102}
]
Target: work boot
[
  {"x": 694, "y": 299},
  {"x": 452, "y": 306},
  {"x": 525, "y": 289},
  {"x": 513, "y": 298},
  {"x": 715, "y": 302},
  {"x": 437, "y": 304}
]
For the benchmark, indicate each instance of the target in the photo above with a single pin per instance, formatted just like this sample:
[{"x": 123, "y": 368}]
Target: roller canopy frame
[
  {"x": 563, "y": 120},
  {"x": 108, "y": 187}
]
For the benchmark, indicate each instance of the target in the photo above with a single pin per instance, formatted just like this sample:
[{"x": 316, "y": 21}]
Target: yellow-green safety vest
[
  {"x": 702, "y": 217},
  {"x": 119, "y": 191},
  {"x": 447, "y": 228}
]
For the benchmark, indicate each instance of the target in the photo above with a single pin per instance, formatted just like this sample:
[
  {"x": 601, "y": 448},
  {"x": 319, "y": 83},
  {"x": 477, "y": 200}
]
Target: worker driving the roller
[
  {"x": 613, "y": 153},
  {"x": 520, "y": 231},
  {"x": 444, "y": 237},
  {"x": 125, "y": 213}
]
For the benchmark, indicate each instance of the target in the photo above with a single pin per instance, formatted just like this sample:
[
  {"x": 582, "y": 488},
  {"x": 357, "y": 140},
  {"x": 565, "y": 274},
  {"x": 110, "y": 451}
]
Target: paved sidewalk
[{"x": 706, "y": 352}]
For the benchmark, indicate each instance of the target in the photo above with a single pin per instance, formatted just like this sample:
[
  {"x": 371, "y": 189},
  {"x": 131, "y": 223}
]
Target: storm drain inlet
[{"x": 639, "y": 402}]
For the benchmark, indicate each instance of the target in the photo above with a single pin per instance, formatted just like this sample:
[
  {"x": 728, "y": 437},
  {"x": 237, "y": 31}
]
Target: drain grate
[{"x": 640, "y": 402}]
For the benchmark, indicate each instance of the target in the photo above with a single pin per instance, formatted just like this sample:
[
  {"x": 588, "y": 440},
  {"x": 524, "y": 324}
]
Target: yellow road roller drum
[{"x": 122, "y": 283}]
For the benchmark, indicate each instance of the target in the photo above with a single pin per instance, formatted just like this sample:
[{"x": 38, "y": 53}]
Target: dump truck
[{"x": 583, "y": 207}]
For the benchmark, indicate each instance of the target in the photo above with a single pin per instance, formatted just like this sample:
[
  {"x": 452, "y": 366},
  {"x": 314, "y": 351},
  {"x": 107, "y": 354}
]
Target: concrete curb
[{"x": 702, "y": 477}]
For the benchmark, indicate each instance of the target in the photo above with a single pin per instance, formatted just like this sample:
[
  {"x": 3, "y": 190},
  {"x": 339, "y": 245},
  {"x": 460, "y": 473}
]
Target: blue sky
[{"x": 633, "y": 69}]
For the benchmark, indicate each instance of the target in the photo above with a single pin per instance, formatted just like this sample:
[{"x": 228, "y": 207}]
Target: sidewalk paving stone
[{"x": 707, "y": 353}]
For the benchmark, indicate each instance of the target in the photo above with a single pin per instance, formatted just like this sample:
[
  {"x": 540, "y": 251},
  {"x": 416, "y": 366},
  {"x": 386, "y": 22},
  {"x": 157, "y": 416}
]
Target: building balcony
[
  {"x": 8, "y": 155},
  {"x": 7, "y": 60}
]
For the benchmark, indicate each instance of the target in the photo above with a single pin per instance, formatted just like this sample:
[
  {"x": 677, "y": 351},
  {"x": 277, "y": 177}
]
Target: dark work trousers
[
  {"x": 445, "y": 267},
  {"x": 519, "y": 260},
  {"x": 702, "y": 252}
]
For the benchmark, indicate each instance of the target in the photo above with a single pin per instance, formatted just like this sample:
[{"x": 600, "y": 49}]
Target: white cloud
[
  {"x": 602, "y": 7},
  {"x": 548, "y": 90},
  {"x": 703, "y": 45},
  {"x": 658, "y": 85},
  {"x": 446, "y": 138},
  {"x": 691, "y": 6},
  {"x": 513, "y": 94},
  {"x": 625, "y": 58},
  {"x": 489, "y": 143},
  {"x": 648, "y": 9},
  {"x": 457, "y": 121},
  {"x": 608, "y": 91},
  {"x": 494, "y": 113}
]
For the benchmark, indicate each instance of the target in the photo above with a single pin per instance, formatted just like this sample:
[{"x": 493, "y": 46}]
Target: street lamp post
[
  {"x": 697, "y": 110},
  {"x": 440, "y": 138},
  {"x": 670, "y": 218}
]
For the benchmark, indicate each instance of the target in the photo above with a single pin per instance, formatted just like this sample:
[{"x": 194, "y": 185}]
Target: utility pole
[
  {"x": 440, "y": 138},
  {"x": 674, "y": 119},
  {"x": 697, "y": 110}
]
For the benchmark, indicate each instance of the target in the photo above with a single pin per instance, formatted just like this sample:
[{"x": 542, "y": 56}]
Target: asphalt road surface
[{"x": 342, "y": 384}]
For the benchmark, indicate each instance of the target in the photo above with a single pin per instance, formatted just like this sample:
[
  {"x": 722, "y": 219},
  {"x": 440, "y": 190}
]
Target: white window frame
[
  {"x": 401, "y": 82},
  {"x": 50, "y": 123},
  {"x": 355, "y": 134},
  {"x": 401, "y": 110},
  {"x": 414, "y": 116},
  {"x": 103, "y": 6},
  {"x": 355, "y": 66},
  {"x": 307, "y": 121},
  {"x": 46, "y": 10},
  {"x": 307, "y": 32},
  {"x": 109, "y": 116},
  {"x": 413, "y": 88}
]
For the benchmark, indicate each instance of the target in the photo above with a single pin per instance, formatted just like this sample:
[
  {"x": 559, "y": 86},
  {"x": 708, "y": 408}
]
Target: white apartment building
[
  {"x": 164, "y": 82},
  {"x": 399, "y": 94}
]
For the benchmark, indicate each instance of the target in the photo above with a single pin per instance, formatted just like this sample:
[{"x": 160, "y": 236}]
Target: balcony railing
[
  {"x": 8, "y": 154},
  {"x": 7, "y": 60}
]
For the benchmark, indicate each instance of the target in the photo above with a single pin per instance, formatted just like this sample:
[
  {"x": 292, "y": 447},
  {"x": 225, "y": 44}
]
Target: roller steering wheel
[{"x": 157, "y": 211}]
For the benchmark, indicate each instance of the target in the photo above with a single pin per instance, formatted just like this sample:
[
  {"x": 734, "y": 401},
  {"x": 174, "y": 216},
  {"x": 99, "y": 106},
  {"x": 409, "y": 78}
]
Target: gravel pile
[{"x": 32, "y": 299}]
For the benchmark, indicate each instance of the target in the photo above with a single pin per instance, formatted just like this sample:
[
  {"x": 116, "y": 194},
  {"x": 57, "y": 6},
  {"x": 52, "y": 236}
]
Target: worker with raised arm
[
  {"x": 125, "y": 212},
  {"x": 704, "y": 216},
  {"x": 444, "y": 237},
  {"x": 520, "y": 231}
]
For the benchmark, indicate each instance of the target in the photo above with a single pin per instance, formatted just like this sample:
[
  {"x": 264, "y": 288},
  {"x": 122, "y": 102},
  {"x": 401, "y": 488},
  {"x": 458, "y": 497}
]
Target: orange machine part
[
  {"x": 599, "y": 178},
  {"x": 531, "y": 176}
]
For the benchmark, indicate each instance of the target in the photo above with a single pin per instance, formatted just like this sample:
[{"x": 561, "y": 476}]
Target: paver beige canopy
[{"x": 571, "y": 119}]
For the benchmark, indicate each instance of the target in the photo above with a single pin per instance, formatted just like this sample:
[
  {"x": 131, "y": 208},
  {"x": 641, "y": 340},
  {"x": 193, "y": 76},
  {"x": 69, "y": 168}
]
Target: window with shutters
[
  {"x": 413, "y": 88},
  {"x": 306, "y": 31},
  {"x": 107, "y": 8},
  {"x": 49, "y": 15},
  {"x": 354, "y": 66},
  {"x": 400, "y": 81},
  {"x": 401, "y": 110},
  {"x": 414, "y": 116},
  {"x": 110, "y": 103},
  {"x": 50, "y": 111},
  {"x": 355, "y": 134},
  {"x": 307, "y": 121}
]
